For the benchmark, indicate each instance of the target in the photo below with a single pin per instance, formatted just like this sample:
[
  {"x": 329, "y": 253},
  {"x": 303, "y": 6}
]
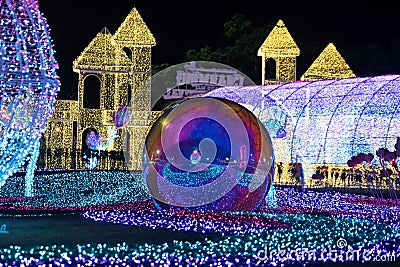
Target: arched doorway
[{"x": 129, "y": 95}]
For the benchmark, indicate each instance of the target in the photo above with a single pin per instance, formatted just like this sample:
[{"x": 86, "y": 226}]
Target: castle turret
[
  {"x": 134, "y": 39},
  {"x": 115, "y": 70},
  {"x": 278, "y": 52}
]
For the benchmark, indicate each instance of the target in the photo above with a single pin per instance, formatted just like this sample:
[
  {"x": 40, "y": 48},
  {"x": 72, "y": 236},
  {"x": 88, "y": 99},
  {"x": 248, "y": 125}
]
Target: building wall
[{"x": 59, "y": 134}]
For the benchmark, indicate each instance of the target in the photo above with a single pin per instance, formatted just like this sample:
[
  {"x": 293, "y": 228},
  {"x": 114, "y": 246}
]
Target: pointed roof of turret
[
  {"x": 100, "y": 55},
  {"x": 329, "y": 65},
  {"x": 279, "y": 43},
  {"x": 134, "y": 31}
]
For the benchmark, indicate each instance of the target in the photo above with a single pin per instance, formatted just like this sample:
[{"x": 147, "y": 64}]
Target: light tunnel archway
[{"x": 330, "y": 120}]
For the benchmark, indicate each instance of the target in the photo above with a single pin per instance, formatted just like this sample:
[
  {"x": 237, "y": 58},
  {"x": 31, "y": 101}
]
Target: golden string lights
[
  {"x": 120, "y": 63},
  {"x": 328, "y": 65},
  {"x": 280, "y": 47},
  {"x": 120, "y": 66}
]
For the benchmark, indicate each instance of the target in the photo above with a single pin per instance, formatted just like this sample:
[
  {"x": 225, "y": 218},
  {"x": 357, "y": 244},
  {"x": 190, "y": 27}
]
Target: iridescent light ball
[{"x": 208, "y": 154}]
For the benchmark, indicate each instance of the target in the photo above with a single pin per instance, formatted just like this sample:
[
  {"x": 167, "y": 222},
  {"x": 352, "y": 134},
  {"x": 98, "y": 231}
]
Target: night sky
[{"x": 179, "y": 27}]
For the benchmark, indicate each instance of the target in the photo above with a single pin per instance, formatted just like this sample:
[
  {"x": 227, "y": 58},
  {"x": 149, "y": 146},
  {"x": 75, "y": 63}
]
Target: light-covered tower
[
  {"x": 278, "y": 52},
  {"x": 98, "y": 92},
  {"x": 115, "y": 70},
  {"x": 134, "y": 40}
]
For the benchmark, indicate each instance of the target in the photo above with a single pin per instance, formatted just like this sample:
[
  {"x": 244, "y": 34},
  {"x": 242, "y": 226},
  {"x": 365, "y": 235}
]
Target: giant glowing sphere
[
  {"x": 210, "y": 154},
  {"x": 28, "y": 82}
]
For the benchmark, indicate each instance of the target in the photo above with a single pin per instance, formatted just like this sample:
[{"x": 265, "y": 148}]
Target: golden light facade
[
  {"x": 135, "y": 39},
  {"x": 101, "y": 55},
  {"x": 279, "y": 46},
  {"x": 122, "y": 65},
  {"x": 328, "y": 65},
  {"x": 59, "y": 132},
  {"x": 134, "y": 31}
]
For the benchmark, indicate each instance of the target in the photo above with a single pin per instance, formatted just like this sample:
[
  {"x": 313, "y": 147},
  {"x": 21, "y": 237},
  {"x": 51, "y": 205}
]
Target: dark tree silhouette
[
  {"x": 241, "y": 39},
  {"x": 238, "y": 47}
]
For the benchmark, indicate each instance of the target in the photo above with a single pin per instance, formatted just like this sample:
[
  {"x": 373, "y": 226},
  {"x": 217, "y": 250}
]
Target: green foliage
[
  {"x": 157, "y": 68},
  {"x": 241, "y": 40}
]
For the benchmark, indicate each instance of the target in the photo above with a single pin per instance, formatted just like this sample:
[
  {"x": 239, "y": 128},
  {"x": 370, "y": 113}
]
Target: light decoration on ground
[
  {"x": 280, "y": 47},
  {"x": 328, "y": 65},
  {"x": 180, "y": 220},
  {"x": 95, "y": 140},
  {"x": 303, "y": 222},
  {"x": 327, "y": 121},
  {"x": 28, "y": 82},
  {"x": 309, "y": 222},
  {"x": 74, "y": 190}
]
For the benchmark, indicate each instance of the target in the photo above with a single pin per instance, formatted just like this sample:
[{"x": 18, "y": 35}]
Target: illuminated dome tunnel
[{"x": 327, "y": 121}]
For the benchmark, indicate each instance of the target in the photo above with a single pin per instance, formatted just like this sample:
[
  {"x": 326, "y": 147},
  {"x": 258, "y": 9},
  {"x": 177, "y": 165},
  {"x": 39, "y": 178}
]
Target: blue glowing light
[{"x": 28, "y": 82}]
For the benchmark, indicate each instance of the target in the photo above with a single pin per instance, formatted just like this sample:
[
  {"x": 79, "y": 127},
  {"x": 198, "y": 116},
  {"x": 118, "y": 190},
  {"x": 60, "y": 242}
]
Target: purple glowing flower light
[
  {"x": 94, "y": 140},
  {"x": 121, "y": 116}
]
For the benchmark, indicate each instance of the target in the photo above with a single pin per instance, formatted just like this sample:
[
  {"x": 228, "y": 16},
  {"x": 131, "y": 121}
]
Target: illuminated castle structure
[
  {"x": 325, "y": 117},
  {"x": 328, "y": 65},
  {"x": 114, "y": 70},
  {"x": 279, "y": 52}
]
